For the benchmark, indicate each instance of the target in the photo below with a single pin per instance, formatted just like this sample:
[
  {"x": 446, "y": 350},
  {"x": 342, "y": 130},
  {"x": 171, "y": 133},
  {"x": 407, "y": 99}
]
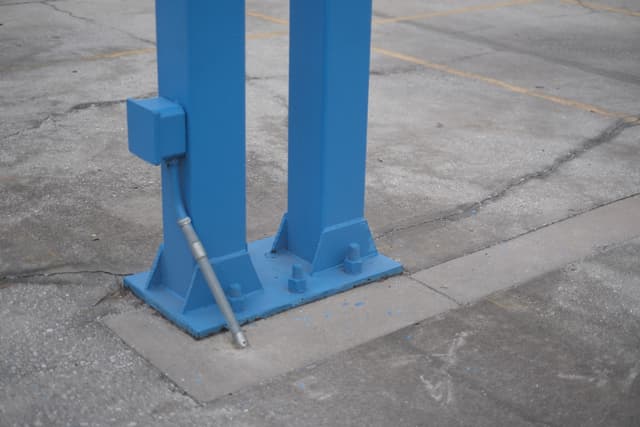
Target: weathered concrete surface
[
  {"x": 212, "y": 368},
  {"x": 469, "y": 278},
  {"x": 483, "y": 132},
  {"x": 561, "y": 350}
]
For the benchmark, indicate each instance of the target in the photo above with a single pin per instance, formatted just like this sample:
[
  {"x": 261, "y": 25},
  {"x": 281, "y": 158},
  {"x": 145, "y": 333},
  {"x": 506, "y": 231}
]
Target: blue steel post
[
  {"x": 201, "y": 66},
  {"x": 328, "y": 107},
  {"x": 324, "y": 244}
]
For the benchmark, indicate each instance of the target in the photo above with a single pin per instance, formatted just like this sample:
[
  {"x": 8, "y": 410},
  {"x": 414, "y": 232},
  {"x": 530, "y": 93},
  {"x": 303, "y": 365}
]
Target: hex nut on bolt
[
  {"x": 297, "y": 281},
  {"x": 353, "y": 261},
  {"x": 236, "y": 298}
]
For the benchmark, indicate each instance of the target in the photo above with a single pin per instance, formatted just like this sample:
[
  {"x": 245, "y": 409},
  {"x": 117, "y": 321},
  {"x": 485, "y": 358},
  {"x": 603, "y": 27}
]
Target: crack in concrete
[
  {"x": 437, "y": 291},
  {"x": 533, "y": 230},
  {"x": 107, "y": 103},
  {"x": 11, "y": 279},
  {"x": 39, "y": 123},
  {"x": 74, "y": 108},
  {"x": 395, "y": 71},
  {"x": 19, "y": 3},
  {"x": 10, "y": 135},
  {"x": 93, "y": 21},
  {"x": 119, "y": 292},
  {"x": 67, "y": 12},
  {"x": 467, "y": 209},
  {"x": 250, "y": 78},
  {"x": 590, "y": 9},
  {"x": 97, "y": 104},
  {"x": 503, "y": 46}
]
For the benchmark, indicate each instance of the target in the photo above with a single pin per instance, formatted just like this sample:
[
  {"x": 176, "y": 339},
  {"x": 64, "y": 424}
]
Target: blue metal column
[
  {"x": 328, "y": 107},
  {"x": 197, "y": 124},
  {"x": 201, "y": 67}
]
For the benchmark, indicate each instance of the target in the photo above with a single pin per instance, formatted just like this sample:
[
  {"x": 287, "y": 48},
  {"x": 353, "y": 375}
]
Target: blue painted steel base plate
[{"x": 274, "y": 271}]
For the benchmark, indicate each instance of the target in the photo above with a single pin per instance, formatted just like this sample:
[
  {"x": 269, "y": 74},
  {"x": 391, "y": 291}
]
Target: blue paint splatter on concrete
[
  {"x": 408, "y": 337},
  {"x": 389, "y": 313},
  {"x": 359, "y": 304},
  {"x": 300, "y": 385},
  {"x": 306, "y": 319}
]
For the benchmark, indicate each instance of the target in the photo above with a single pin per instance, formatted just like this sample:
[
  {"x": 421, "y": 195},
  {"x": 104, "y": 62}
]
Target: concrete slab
[
  {"x": 592, "y": 178},
  {"x": 519, "y": 36},
  {"x": 561, "y": 350},
  {"x": 474, "y": 276},
  {"x": 456, "y": 164},
  {"x": 212, "y": 368}
]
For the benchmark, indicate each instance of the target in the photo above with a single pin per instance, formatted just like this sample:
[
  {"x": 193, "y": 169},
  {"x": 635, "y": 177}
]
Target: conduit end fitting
[{"x": 240, "y": 339}]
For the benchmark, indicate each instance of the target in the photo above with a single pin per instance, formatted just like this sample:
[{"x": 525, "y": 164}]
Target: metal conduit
[{"x": 200, "y": 255}]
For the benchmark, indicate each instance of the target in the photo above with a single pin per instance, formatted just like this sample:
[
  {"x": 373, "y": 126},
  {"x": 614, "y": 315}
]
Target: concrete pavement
[{"x": 489, "y": 120}]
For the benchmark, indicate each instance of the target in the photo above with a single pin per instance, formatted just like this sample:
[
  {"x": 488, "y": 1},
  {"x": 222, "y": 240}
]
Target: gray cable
[{"x": 200, "y": 255}]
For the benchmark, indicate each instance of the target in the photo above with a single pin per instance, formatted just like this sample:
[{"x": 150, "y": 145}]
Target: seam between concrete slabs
[
  {"x": 566, "y": 102},
  {"x": 452, "y": 12},
  {"x": 603, "y": 8},
  {"x": 208, "y": 369},
  {"x": 211, "y": 368},
  {"x": 474, "y": 276}
]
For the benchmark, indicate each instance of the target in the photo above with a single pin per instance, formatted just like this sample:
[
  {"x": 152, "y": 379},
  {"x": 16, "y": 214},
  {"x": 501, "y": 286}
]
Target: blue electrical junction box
[{"x": 157, "y": 129}]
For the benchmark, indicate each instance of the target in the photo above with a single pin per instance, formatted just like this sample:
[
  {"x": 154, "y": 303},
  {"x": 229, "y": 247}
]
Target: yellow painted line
[
  {"x": 133, "y": 52},
  {"x": 417, "y": 17},
  {"x": 270, "y": 35},
  {"x": 267, "y": 17},
  {"x": 489, "y": 80},
  {"x": 604, "y": 8},
  {"x": 470, "y": 9},
  {"x": 504, "y": 85},
  {"x": 121, "y": 53},
  {"x": 508, "y": 306}
]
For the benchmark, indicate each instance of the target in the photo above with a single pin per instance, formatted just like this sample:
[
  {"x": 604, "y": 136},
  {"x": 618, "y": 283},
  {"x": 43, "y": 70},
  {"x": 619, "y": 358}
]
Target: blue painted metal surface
[
  {"x": 324, "y": 244},
  {"x": 157, "y": 129},
  {"x": 328, "y": 100}
]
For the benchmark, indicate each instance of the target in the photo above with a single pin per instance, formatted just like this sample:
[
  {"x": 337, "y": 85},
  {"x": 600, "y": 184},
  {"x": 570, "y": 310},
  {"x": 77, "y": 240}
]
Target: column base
[{"x": 274, "y": 270}]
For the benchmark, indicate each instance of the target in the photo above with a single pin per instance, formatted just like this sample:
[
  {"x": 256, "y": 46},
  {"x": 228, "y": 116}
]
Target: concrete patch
[
  {"x": 514, "y": 262},
  {"x": 212, "y": 368}
]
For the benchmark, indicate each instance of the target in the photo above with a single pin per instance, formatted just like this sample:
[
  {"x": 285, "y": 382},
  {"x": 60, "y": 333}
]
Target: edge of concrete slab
[
  {"x": 519, "y": 260},
  {"x": 212, "y": 368}
]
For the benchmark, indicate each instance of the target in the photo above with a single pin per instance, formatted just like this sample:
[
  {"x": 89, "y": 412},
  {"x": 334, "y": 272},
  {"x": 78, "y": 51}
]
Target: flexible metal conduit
[{"x": 200, "y": 255}]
